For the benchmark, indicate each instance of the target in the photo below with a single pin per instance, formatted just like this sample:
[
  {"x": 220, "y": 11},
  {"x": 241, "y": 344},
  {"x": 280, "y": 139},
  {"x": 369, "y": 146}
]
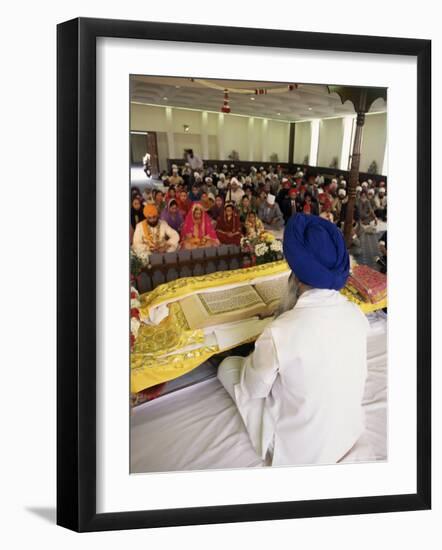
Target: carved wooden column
[
  {"x": 354, "y": 179},
  {"x": 362, "y": 99}
]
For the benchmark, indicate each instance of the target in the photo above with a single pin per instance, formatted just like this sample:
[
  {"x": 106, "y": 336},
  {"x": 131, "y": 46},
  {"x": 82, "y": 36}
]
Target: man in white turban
[
  {"x": 235, "y": 192},
  {"x": 270, "y": 214},
  {"x": 380, "y": 204},
  {"x": 300, "y": 391}
]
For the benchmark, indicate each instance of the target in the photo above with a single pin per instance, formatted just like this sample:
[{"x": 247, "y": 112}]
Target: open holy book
[{"x": 207, "y": 309}]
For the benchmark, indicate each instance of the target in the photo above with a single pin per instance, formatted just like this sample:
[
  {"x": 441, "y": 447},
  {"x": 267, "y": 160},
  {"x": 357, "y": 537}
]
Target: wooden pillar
[
  {"x": 354, "y": 178},
  {"x": 291, "y": 143},
  {"x": 362, "y": 99}
]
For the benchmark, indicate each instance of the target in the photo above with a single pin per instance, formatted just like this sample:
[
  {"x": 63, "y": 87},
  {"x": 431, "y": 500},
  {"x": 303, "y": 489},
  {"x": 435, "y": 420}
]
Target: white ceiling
[{"x": 306, "y": 102}]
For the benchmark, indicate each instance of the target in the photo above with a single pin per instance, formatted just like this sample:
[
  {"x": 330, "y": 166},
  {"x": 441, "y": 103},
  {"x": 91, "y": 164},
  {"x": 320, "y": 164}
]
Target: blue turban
[{"x": 315, "y": 251}]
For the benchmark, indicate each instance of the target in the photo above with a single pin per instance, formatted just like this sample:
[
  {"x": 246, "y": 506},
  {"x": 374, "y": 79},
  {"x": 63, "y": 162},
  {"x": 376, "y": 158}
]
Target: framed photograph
[{"x": 233, "y": 344}]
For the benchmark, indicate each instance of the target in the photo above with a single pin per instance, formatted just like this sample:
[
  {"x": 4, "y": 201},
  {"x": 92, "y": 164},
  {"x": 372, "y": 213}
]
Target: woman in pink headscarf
[{"x": 198, "y": 231}]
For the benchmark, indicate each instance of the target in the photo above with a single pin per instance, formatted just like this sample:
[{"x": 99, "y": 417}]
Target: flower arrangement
[
  {"x": 267, "y": 249},
  {"x": 263, "y": 249},
  {"x": 136, "y": 264}
]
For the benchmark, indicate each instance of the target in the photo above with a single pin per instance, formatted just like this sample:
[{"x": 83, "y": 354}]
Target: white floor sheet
[{"x": 199, "y": 428}]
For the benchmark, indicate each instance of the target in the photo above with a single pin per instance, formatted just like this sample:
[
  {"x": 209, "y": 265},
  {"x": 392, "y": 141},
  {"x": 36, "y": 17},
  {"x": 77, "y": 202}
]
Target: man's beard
[
  {"x": 153, "y": 224},
  {"x": 290, "y": 296}
]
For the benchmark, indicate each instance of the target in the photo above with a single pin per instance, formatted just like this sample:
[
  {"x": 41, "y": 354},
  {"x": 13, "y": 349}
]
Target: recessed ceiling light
[
  {"x": 278, "y": 113},
  {"x": 310, "y": 109},
  {"x": 165, "y": 98},
  {"x": 177, "y": 86},
  {"x": 252, "y": 99}
]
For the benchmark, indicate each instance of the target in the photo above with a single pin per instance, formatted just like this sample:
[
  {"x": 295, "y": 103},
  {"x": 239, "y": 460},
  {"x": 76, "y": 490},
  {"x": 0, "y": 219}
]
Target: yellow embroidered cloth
[{"x": 170, "y": 349}]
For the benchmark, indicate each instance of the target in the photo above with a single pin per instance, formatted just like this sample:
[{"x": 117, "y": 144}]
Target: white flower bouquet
[{"x": 268, "y": 249}]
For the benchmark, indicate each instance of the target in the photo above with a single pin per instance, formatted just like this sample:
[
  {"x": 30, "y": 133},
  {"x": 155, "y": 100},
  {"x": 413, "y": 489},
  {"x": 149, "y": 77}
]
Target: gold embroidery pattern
[
  {"x": 366, "y": 307},
  {"x": 171, "y": 334},
  {"x": 149, "y": 363},
  {"x": 150, "y": 372}
]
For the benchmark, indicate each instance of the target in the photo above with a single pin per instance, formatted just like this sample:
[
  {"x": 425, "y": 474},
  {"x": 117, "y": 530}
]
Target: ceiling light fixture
[
  {"x": 252, "y": 99},
  {"x": 165, "y": 98}
]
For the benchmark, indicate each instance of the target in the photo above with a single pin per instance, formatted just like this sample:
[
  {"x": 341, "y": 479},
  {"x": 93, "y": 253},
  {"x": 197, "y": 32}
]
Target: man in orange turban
[
  {"x": 150, "y": 211},
  {"x": 153, "y": 235}
]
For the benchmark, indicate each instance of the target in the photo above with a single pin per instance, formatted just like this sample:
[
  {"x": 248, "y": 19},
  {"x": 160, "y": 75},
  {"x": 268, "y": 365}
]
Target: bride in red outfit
[{"x": 198, "y": 231}]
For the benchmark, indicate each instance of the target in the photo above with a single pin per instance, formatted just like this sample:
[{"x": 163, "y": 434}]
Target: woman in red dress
[
  {"x": 228, "y": 226},
  {"x": 197, "y": 231}
]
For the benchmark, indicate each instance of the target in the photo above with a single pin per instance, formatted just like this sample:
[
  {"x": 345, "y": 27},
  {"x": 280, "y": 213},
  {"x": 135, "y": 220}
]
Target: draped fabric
[
  {"x": 198, "y": 231},
  {"x": 174, "y": 220},
  {"x": 229, "y": 230}
]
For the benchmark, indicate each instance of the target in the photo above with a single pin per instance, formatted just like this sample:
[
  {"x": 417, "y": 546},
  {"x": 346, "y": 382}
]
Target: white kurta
[
  {"x": 235, "y": 196},
  {"x": 139, "y": 243},
  {"x": 301, "y": 390}
]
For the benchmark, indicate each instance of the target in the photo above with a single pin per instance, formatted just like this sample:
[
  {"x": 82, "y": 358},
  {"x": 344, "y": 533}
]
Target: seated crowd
[{"x": 209, "y": 207}]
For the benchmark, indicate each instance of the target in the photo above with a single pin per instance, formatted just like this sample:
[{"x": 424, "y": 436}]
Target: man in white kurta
[{"x": 300, "y": 392}]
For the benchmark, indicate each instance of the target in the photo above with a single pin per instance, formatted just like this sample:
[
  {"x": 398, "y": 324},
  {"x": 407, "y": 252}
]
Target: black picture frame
[{"x": 76, "y": 274}]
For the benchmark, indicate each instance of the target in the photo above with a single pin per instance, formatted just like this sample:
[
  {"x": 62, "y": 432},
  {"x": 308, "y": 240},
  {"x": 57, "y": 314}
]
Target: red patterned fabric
[{"x": 369, "y": 283}]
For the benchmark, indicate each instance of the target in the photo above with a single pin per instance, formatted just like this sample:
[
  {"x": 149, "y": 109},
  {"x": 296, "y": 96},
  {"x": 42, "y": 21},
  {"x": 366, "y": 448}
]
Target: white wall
[
  {"x": 187, "y": 141},
  {"x": 236, "y": 133},
  {"x": 278, "y": 142},
  {"x": 268, "y": 136},
  {"x": 147, "y": 117},
  {"x": 330, "y": 141},
  {"x": 302, "y": 141},
  {"x": 374, "y": 137}
]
